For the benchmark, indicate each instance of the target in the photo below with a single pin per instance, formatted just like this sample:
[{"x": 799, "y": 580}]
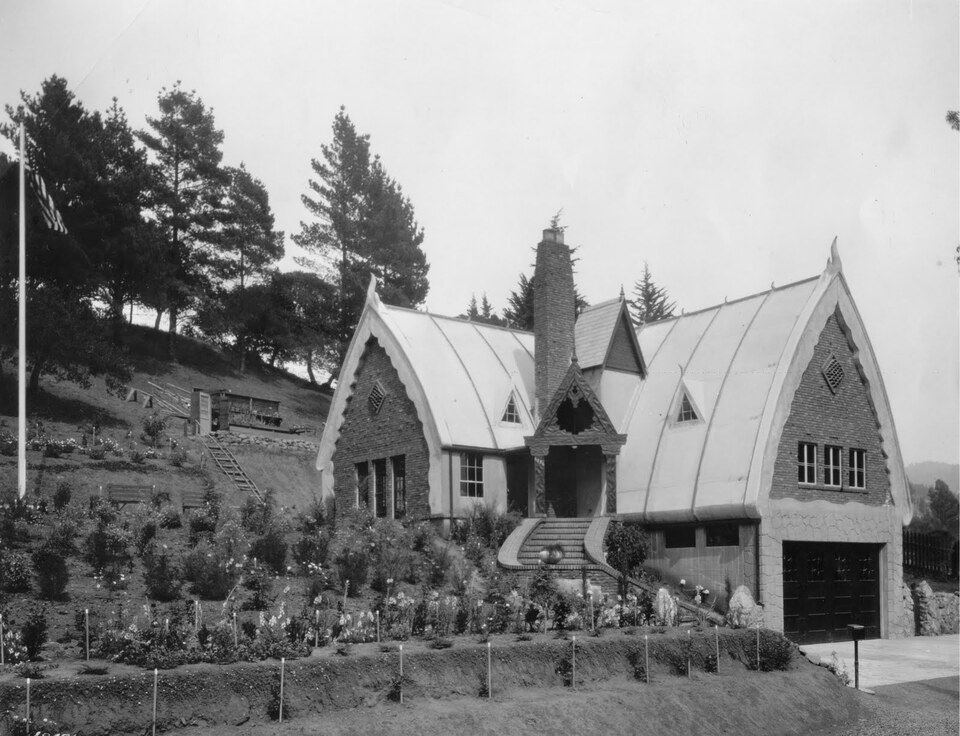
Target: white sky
[{"x": 725, "y": 143}]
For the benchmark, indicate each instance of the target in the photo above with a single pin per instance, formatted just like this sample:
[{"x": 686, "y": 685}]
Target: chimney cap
[{"x": 553, "y": 235}]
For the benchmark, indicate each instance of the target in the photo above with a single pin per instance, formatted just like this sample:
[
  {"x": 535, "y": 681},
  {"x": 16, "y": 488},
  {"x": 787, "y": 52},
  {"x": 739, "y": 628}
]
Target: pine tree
[
  {"x": 650, "y": 302},
  {"x": 185, "y": 197},
  {"x": 364, "y": 225},
  {"x": 519, "y": 311}
]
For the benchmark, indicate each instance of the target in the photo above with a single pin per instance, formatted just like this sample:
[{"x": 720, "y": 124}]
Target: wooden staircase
[{"x": 229, "y": 465}]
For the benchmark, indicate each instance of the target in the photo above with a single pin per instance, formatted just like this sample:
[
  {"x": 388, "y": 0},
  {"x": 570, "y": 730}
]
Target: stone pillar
[{"x": 611, "y": 472}]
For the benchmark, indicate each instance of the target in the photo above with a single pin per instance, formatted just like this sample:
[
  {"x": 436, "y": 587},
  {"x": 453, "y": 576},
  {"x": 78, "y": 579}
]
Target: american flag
[{"x": 51, "y": 215}]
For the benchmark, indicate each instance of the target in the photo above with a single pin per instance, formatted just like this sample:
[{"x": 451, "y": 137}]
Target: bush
[
  {"x": 14, "y": 571},
  {"x": 391, "y": 558},
  {"x": 144, "y": 535},
  {"x": 271, "y": 549},
  {"x": 489, "y": 526},
  {"x": 311, "y": 548},
  {"x": 353, "y": 565},
  {"x": 97, "y": 453},
  {"x": 34, "y": 635},
  {"x": 212, "y": 574},
  {"x": 627, "y": 547},
  {"x": 200, "y": 522},
  {"x": 52, "y": 450},
  {"x": 61, "y": 496},
  {"x": 162, "y": 572},
  {"x": 108, "y": 551},
  {"x": 62, "y": 535},
  {"x": 137, "y": 457},
  {"x": 51, "y": 570},
  {"x": 153, "y": 428},
  {"x": 179, "y": 457},
  {"x": 776, "y": 652},
  {"x": 169, "y": 518}
]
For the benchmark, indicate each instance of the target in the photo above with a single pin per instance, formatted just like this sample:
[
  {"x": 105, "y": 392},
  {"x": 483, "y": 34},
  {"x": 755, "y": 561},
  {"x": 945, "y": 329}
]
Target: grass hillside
[{"x": 65, "y": 411}]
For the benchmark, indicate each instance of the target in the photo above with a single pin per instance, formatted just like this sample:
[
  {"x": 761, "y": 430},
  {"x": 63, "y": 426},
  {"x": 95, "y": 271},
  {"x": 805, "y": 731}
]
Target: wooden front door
[{"x": 827, "y": 586}]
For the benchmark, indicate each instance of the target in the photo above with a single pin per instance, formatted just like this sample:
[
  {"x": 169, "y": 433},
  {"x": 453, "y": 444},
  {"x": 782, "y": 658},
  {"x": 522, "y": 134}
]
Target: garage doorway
[{"x": 828, "y": 586}]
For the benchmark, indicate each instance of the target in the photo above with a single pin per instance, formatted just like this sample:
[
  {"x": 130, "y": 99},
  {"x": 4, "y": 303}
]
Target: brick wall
[
  {"x": 845, "y": 418},
  {"x": 553, "y": 310},
  {"x": 367, "y": 435}
]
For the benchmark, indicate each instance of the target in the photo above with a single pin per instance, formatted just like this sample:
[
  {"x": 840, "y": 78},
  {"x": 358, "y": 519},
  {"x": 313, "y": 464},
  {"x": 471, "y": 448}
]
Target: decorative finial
[
  {"x": 834, "y": 264},
  {"x": 724, "y": 298},
  {"x": 373, "y": 299},
  {"x": 622, "y": 295},
  {"x": 772, "y": 286}
]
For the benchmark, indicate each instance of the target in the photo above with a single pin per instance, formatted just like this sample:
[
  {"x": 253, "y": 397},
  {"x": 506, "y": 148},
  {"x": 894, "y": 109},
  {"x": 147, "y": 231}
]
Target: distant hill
[{"x": 927, "y": 473}]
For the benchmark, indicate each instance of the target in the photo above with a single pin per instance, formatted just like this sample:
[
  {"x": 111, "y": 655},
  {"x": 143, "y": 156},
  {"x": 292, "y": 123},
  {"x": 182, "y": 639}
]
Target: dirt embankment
[{"x": 444, "y": 692}]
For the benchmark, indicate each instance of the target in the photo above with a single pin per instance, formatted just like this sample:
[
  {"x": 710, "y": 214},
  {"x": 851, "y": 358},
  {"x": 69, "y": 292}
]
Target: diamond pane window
[
  {"x": 376, "y": 397},
  {"x": 832, "y": 373}
]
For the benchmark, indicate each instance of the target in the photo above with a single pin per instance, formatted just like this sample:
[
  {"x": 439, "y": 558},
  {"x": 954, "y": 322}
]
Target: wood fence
[{"x": 929, "y": 554}]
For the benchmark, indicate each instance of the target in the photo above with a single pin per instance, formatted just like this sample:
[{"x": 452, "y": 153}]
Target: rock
[
  {"x": 743, "y": 610},
  {"x": 666, "y": 607},
  {"x": 813, "y": 658}
]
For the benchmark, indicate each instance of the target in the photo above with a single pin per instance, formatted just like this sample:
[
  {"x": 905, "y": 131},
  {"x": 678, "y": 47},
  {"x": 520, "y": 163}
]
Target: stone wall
[
  {"x": 935, "y": 613},
  {"x": 823, "y": 521},
  {"x": 292, "y": 444}
]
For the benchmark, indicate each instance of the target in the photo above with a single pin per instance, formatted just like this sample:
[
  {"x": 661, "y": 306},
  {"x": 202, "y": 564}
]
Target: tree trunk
[
  {"x": 242, "y": 347},
  {"x": 156, "y": 325},
  {"x": 309, "y": 361},
  {"x": 33, "y": 385},
  {"x": 174, "y": 313}
]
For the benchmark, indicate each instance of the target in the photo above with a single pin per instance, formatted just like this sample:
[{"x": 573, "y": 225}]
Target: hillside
[
  {"x": 927, "y": 473},
  {"x": 67, "y": 412}
]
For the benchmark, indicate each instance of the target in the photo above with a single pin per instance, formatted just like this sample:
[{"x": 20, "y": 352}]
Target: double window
[
  {"x": 807, "y": 463},
  {"x": 399, "y": 463},
  {"x": 831, "y": 466},
  {"x": 471, "y": 474}
]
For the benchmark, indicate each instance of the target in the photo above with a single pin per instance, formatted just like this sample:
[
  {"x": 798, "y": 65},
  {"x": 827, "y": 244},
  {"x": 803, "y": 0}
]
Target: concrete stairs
[{"x": 568, "y": 533}]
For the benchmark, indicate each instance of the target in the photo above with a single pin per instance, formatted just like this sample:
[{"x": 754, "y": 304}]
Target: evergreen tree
[
  {"x": 185, "y": 198},
  {"x": 650, "y": 302},
  {"x": 364, "y": 224},
  {"x": 519, "y": 311}
]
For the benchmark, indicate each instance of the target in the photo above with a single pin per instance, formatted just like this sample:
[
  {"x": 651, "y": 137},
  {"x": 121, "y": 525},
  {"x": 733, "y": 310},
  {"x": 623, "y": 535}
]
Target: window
[
  {"x": 510, "y": 414},
  {"x": 376, "y": 397},
  {"x": 687, "y": 414},
  {"x": 831, "y": 465},
  {"x": 363, "y": 485},
  {"x": 858, "y": 468},
  {"x": 832, "y": 373},
  {"x": 471, "y": 474},
  {"x": 399, "y": 486},
  {"x": 723, "y": 535},
  {"x": 380, "y": 487},
  {"x": 807, "y": 462},
  {"x": 680, "y": 537}
]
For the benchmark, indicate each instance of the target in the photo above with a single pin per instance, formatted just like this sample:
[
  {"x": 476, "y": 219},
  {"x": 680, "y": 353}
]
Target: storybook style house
[{"x": 753, "y": 439}]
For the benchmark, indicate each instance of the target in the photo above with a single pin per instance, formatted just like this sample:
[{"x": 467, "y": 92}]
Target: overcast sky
[{"x": 724, "y": 143}]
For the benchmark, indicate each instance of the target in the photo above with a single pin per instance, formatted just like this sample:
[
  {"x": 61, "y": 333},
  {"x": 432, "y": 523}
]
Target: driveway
[{"x": 892, "y": 661}]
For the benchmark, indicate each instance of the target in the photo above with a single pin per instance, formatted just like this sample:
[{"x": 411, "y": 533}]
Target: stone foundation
[{"x": 935, "y": 613}]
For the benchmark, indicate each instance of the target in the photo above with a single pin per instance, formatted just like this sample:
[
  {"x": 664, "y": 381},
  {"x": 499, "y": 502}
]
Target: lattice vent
[
  {"x": 376, "y": 397},
  {"x": 832, "y": 373}
]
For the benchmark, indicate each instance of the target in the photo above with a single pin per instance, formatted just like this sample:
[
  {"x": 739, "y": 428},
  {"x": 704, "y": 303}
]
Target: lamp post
[{"x": 856, "y": 633}]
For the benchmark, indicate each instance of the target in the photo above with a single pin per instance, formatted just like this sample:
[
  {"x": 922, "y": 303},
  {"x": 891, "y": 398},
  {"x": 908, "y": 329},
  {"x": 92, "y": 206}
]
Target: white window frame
[
  {"x": 857, "y": 468},
  {"x": 686, "y": 403},
  {"x": 471, "y": 475},
  {"x": 832, "y": 471},
  {"x": 511, "y": 402},
  {"x": 807, "y": 463}
]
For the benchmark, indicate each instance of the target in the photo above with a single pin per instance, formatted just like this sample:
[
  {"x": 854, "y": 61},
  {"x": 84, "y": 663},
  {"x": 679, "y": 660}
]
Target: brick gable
[
  {"x": 368, "y": 435},
  {"x": 824, "y": 417}
]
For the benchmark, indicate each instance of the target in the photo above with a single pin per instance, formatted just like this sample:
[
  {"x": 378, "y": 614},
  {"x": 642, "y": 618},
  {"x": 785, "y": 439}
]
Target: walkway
[{"x": 892, "y": 661}]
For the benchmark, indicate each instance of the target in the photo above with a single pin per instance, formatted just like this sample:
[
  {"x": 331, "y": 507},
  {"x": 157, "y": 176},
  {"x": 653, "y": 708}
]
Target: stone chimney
[{"x": 553, "y": 315}]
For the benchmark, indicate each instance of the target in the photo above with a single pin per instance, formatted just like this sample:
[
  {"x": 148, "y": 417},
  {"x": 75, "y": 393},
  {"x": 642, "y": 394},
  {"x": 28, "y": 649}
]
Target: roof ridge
[
  {"x": 434, "y": 315},
  {"x": 735, "y": 301}
]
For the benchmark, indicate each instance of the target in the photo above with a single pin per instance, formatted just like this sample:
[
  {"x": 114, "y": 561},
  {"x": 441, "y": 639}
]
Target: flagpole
[{"x": 22, "y": 343}]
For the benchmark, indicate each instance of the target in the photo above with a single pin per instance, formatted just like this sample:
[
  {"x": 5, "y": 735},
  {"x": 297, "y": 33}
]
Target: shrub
[
  {"x": 34, "y": 635},
  {"x": 627, "y": 547},
  {"x": 153, "y": 428},
  {"x": 52, "y": 450},
  {"x": 179, "y": 457},
  {"x": 353, "y": 565},
  {"x": 162, "y": 572},
  {"x": 390, "y": 558},
  {"x": 200, "y": 522},
  {"x": 311, "y": 547},
  {"x": 137, "y": 457},
  {"x": 62, "y": 535},
  {"x": 14, "y": 571},
  {"x": 61, "y": 496},
  {"x": 258, "y": 581},
  {"x": 271, "y": 549},
  {"x": 52, "y": 574},
  {"x": 97, "y": 453},
  {"x": 212, "y": 574},
  {"x": 108, "y": 551},
  {"x": 144, "y": 535},
  {"x": 489, "y": 526},
  {"x": 776, "y": 652}
]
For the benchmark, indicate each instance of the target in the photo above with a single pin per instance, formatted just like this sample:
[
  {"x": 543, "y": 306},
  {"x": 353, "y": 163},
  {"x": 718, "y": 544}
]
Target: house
[{"x": 754, "y": 439}]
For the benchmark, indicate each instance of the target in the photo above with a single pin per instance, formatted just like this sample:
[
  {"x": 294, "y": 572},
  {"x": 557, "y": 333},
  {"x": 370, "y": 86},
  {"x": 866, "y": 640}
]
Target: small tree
[
  {"x": 627, "y": 548},
  {"x": 650, "y": 302},
  {"x": 153, "y": 427}
]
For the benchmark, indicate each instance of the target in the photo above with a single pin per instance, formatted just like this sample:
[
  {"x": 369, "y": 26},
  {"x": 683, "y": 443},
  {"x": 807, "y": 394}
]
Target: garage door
[{"x": 826, "y": 587}]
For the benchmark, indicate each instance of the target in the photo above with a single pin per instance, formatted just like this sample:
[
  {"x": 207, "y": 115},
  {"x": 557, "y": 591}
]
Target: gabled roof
[
  {"x": 599, "y": 328},
  {"x": 741, "y": 363}
]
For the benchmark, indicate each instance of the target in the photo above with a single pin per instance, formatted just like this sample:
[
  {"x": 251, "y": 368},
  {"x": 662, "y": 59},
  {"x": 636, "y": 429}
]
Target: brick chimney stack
[{"x": 553, "y": 315}]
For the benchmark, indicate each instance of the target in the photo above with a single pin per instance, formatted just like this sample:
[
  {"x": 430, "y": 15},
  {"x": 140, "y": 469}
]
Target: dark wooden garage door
[{"x": 826, "y": 587}]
